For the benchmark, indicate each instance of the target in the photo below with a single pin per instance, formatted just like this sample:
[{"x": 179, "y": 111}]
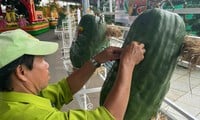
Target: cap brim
[{"x": 42, "y": 48}]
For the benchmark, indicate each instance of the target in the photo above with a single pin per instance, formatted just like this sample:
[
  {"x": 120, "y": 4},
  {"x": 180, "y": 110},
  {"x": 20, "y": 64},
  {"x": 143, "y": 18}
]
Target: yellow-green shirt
[{"x": 24, "y": 106}]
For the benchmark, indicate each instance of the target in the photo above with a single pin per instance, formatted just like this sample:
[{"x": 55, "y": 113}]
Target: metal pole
[
  {"x": 110, "y": 6},
  {"x": 98, "y": 4},
  {"x": 86, "y": 5},
  {"x": 180, "y": 110}
]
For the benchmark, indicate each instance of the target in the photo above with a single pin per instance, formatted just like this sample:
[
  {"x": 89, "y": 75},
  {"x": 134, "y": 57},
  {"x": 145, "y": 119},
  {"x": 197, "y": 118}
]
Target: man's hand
[
  {"x": 109, "y": 54},
  {"x": 132, "y": 54}
]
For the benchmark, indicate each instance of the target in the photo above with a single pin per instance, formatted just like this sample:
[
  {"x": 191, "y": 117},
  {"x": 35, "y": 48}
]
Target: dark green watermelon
[
  {"x": 163, "y": 33},
  {"x": 91, "y": 39}
]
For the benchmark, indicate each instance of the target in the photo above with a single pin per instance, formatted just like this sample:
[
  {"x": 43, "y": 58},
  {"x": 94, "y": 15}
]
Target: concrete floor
[{"x": 184, "y": 90}]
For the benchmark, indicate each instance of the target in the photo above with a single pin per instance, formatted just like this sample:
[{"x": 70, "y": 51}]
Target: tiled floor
[{"x": 184, "y": 91}]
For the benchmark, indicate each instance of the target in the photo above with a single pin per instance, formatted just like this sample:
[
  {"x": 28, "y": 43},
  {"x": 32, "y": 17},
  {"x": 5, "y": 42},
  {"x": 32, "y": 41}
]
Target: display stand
[
  {"x": 81, "y": 96},
  {"x": 67, "y": 35}
]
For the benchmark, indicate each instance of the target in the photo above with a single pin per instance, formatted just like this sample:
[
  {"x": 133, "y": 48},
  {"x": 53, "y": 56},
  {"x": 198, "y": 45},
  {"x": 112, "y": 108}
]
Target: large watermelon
[
  {"x": 163, "y": 33},
  {"x": 91, "y": 39}
]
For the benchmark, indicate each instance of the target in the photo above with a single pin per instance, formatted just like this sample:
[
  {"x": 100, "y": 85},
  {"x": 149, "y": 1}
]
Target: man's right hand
[{"x": 132, "y": 54}]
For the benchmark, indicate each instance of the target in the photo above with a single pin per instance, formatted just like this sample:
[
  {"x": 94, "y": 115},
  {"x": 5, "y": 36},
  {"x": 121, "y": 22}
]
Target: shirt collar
[{"x": 24, "y": 98}]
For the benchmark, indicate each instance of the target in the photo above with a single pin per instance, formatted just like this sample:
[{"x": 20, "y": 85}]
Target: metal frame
[
  {"x": 186, "y": 10},
  {"x": 183, "y": 10},
  {"x": 179, "y": 109}
]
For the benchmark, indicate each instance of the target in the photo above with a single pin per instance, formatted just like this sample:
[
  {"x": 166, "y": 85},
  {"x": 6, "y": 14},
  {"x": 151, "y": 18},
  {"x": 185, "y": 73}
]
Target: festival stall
[{"x": 27, "y": 15}]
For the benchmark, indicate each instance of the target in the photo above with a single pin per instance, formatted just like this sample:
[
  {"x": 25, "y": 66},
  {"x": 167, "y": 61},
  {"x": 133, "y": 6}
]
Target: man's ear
[{"x": 20, "y": 72}]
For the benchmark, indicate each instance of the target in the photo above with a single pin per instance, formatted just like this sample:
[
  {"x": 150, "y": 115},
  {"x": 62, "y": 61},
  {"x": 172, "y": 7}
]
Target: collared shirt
[{"x": 24, "y": 106}]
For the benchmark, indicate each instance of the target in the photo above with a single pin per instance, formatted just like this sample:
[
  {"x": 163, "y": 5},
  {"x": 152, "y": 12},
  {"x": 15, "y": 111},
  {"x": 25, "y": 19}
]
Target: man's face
[{"x": 39, "y": 75}]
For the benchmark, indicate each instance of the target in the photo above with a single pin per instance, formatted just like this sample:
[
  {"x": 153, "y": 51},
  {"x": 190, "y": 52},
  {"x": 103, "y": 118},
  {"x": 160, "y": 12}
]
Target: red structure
[
  {"x": 136, "y": 7},
  {"x": 30, "y": 6}
]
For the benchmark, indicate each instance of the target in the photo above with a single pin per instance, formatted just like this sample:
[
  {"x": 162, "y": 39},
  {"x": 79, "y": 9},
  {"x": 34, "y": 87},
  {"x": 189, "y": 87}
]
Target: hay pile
[
  {"x": 191, "y": 50},
  {"x": 113, "y": 31}
]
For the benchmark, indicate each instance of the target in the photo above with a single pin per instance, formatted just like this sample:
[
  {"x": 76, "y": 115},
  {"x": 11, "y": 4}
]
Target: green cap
[{"x": 16, "y": 43}]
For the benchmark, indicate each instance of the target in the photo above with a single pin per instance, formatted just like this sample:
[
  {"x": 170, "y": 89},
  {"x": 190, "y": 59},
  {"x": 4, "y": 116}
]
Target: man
[{"x": 26, "y": 95}]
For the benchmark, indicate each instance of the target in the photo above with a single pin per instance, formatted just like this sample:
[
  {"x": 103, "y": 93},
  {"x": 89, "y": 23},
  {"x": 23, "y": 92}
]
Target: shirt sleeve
[
  {"x": 99, "y": 113},
  {"x": 59, "y": 93}
]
